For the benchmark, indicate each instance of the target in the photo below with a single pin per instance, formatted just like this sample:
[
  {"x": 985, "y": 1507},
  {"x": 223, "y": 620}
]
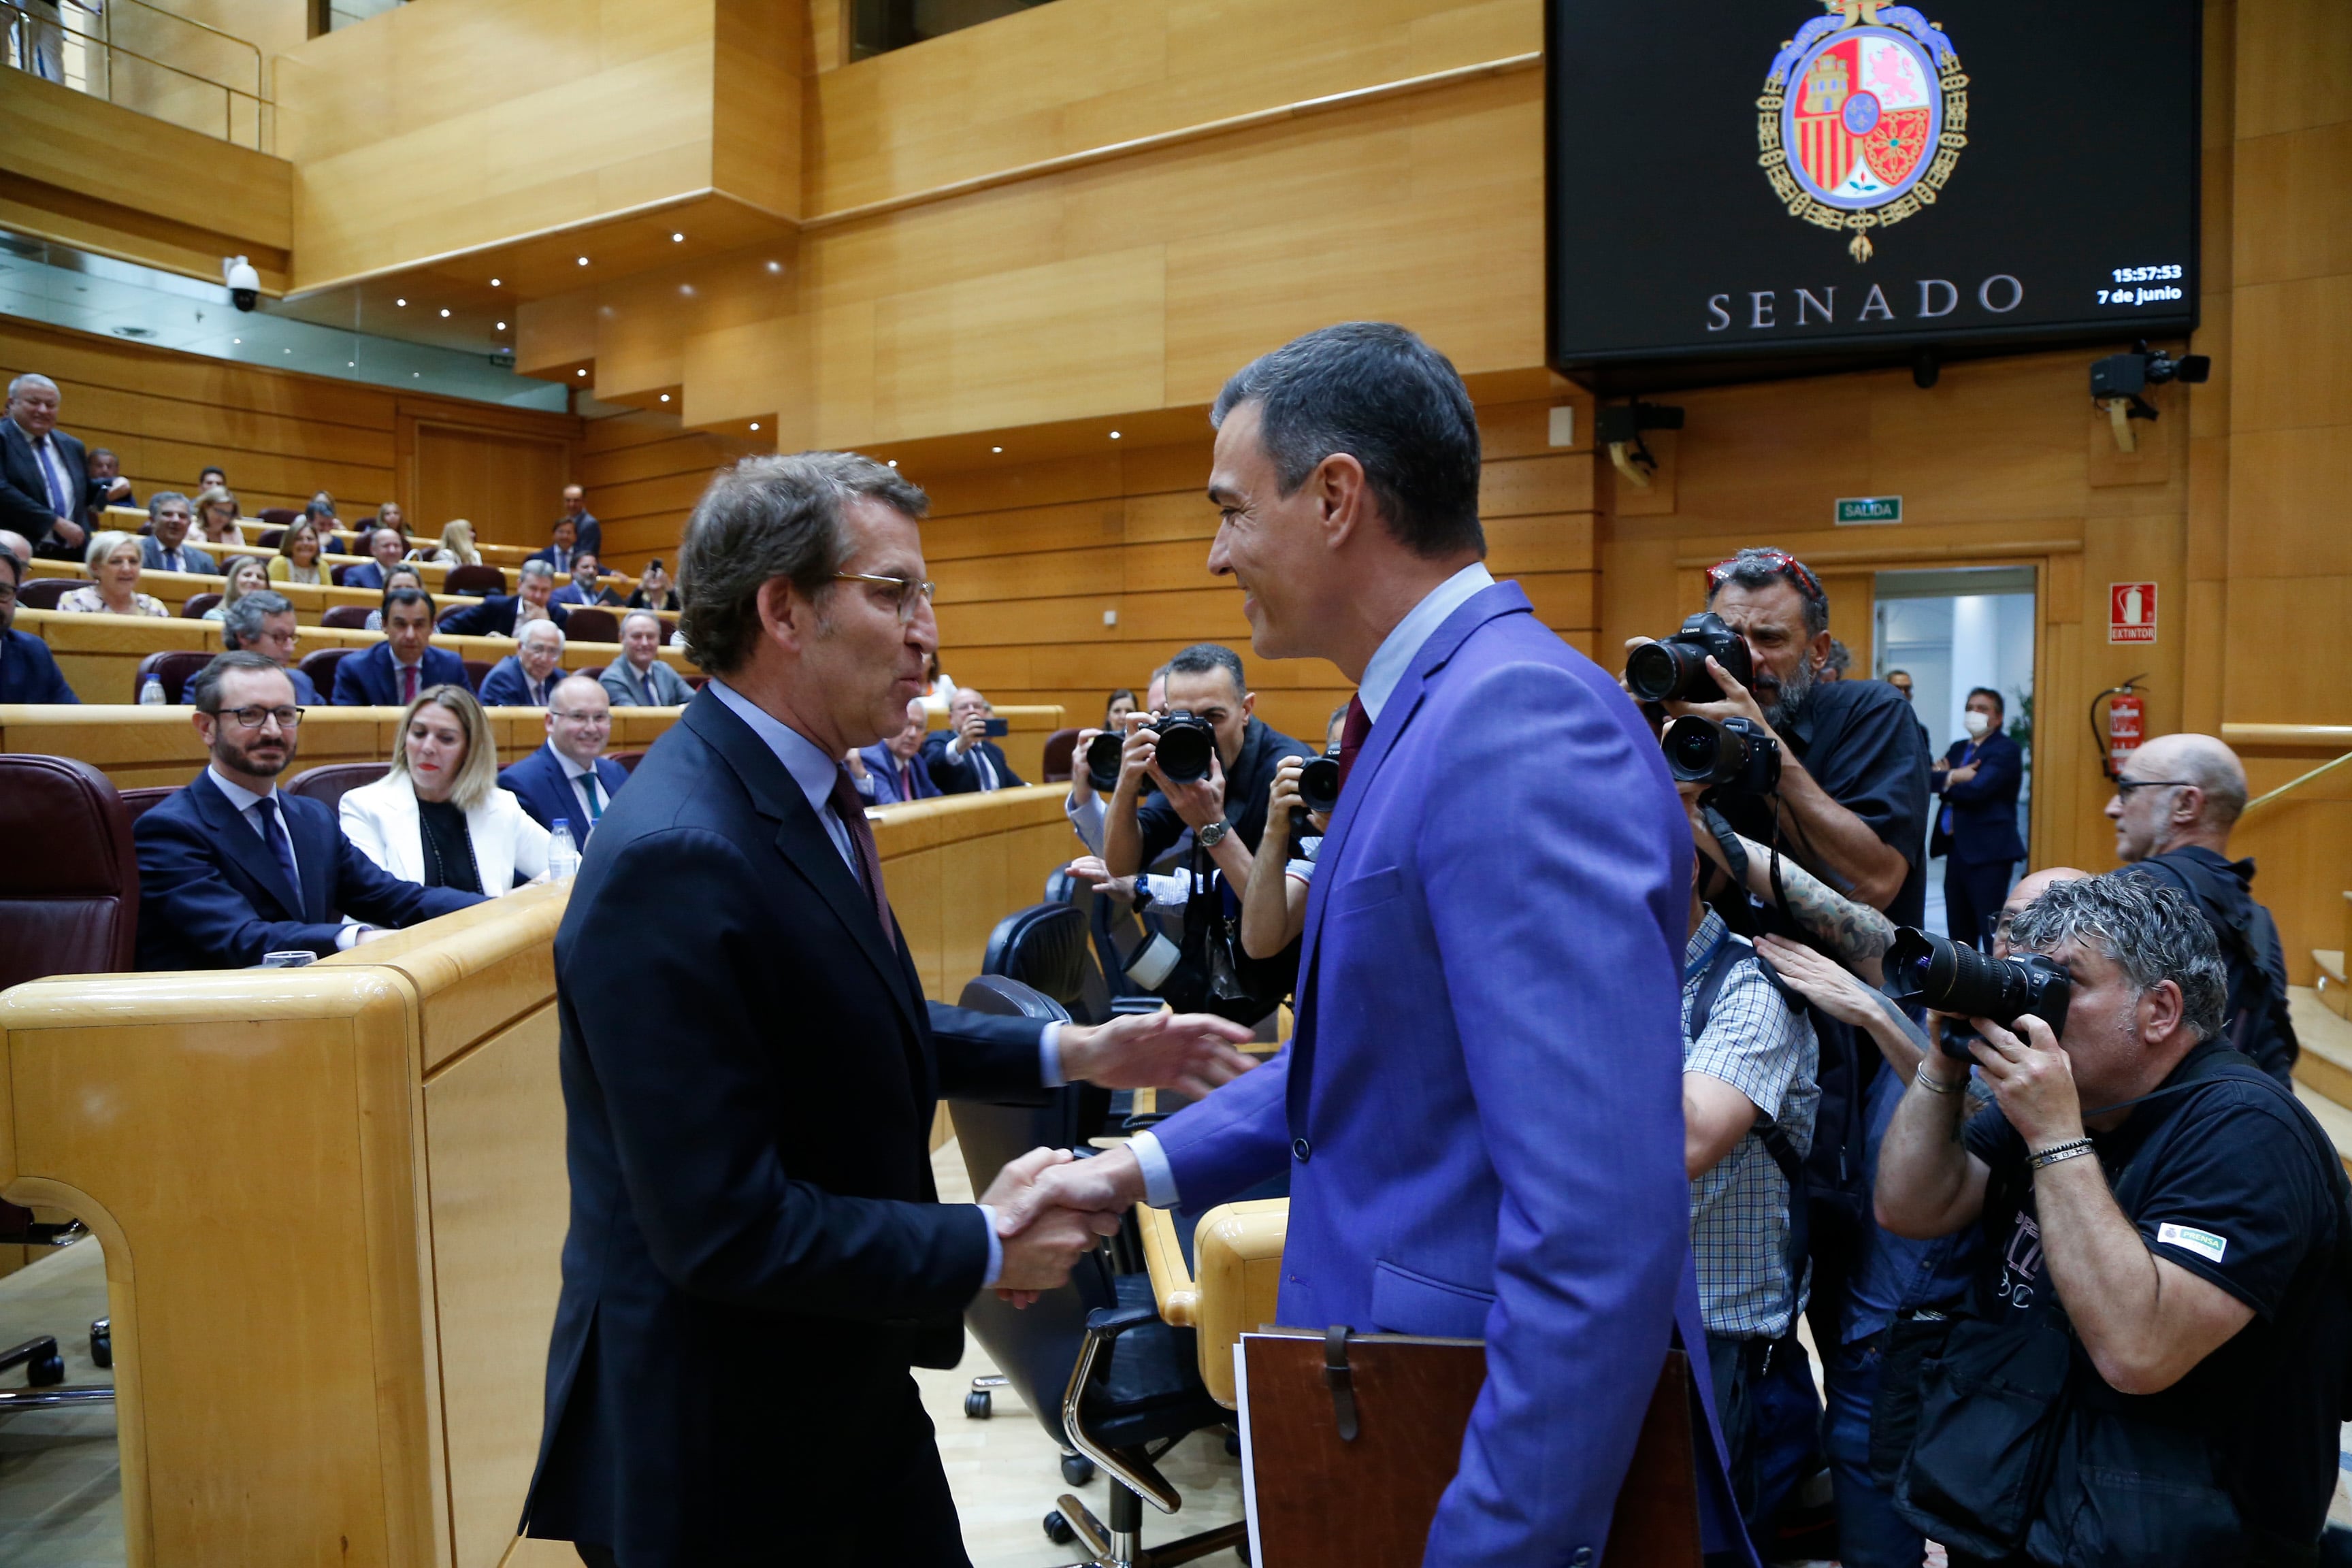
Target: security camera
[
  {"x": 244, "y": 282},
  {"x": 2129, "y": 376}
]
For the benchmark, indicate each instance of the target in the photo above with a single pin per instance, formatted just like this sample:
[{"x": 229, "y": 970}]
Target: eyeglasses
[
  {"x": 911, "y": 591},
  {"x": 254, "y": 718},
  {"x": 2124, "y": 787},
  {"x": 1807, "y": 584}
]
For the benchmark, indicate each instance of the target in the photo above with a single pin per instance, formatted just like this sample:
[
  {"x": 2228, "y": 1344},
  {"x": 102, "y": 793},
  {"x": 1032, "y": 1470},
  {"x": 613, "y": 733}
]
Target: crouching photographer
[
  {"x": 1213, "y": 761},
  {"x": 2152, "y": 1368}
]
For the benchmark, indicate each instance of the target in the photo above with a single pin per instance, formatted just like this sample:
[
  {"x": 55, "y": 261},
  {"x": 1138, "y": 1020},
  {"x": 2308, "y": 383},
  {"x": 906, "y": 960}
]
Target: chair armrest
[
  {"x": 1237, "y": 1278},
  {"x": 1164, "y": 1258}
]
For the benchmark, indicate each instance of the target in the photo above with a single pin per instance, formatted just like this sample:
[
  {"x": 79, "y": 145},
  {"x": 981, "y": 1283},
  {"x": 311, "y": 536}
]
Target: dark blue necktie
[{"x": 280, "y": 846}]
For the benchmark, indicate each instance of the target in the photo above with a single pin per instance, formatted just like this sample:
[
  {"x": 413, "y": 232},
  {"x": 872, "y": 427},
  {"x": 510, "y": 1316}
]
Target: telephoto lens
[
  {"x": 1675, "y": 669},
  {"x": 1939, "y": 972},
  {"x": 1186, "y": 746},
  {"x": 1734, "y": 755},
  {"x": 1318, "y": 782},
  {"x": 1102, "y": 760}
]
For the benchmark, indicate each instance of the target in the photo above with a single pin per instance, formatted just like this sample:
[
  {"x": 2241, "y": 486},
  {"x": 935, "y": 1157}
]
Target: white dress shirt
[
  {"x": 574, "y": 773},
  {"x": 815, "y": 771},
  {"x": 1386, "y": 668},
  {"x": 244, "y": 800}
]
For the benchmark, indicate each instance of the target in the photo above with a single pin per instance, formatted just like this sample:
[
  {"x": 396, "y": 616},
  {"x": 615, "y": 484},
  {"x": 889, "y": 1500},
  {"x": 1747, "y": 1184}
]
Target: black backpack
[{"x": 2256, "y": 1023}]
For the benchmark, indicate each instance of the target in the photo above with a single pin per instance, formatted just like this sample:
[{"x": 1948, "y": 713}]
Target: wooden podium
[{"x": 1352, "y": 1440}]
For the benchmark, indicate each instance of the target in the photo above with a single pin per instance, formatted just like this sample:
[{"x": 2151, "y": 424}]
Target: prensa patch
[{"x": 2203, "y": 1243}]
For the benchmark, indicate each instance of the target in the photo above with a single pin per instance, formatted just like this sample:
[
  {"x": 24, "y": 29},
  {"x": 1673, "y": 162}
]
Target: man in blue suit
[
  {"x": 499, "y": 614},
  {"x": 1977, "y": 830},
  {"x": 570, "y": 778},
  {"x": 891, "y": 768},
  {"x": 1480, "y": 1111},
  {"x": 586, "y": 587},
  {"x": 262, "y": 622},
  {"x": 387, "y": 548},
  {"x": 231, "y": 868},
  {"x": 392, "y": 673},
  {"x": 527, "y": 677},
  {"x": 27, "y": 671},
  {"x": 167, "y": 547}
]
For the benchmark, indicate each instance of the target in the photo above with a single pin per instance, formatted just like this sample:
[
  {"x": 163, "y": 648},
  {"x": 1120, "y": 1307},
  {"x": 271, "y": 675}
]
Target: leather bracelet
[
  {"x": 1931, "y": 1086},
  {"x": 2073, "y": 1149}
]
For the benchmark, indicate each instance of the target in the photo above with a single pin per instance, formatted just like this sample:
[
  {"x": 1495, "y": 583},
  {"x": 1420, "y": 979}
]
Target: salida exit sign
[{"x": 1854, "y": 510}]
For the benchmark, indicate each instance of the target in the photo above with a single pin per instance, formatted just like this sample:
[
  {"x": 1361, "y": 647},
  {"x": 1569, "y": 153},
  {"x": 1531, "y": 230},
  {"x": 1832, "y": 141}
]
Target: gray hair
[
  {"x": 1381, "y": 396},
  {"x": 156, "y": 502},
  {"x": 2153, "y": 932},
  {"x": 643, "y": 616},
  {"x": 241, "y": 618},
  {"x": 204, "y": 691},
  {"x": 535, "y": 567},
  {"x": 532, "y": 628},
  {"x": 1754, "y": 568},
  {"x": 764, "y": 519},
  {"x": 31, "y": 378}
]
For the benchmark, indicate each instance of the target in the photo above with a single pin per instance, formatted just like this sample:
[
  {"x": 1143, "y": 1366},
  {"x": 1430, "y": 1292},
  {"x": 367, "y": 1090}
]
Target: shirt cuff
[
  {"x": 348, "y": 935},
  {"x": 995, "y": 1246},
  {"x": 1167, "y": 890},
  {"x": 956, "y": 749},
  {"x": 1049, "y": 1057},
  {"x": 1158, "y": 1179}
]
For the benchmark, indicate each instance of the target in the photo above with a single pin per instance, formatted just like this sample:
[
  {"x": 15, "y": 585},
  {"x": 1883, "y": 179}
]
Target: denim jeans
[
  {"x": 1871, "y": 1534},
  {"x": 1771, "y": 1422}
]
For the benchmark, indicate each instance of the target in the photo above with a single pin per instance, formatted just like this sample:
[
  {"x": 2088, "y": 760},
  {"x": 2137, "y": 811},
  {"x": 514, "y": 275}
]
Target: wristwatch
[{"x": 1209, "y": 838}]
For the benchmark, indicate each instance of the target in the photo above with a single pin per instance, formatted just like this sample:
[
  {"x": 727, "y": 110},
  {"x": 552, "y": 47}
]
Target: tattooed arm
[{"x": 1855, "y": 933}]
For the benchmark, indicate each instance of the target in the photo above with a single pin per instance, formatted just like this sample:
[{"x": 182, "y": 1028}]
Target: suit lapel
[{"x": 233, "y": 832}]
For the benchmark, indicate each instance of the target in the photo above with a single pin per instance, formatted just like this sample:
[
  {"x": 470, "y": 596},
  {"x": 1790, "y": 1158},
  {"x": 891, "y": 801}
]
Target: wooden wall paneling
[
  {"x": 508, "y": 485},
  {"x": 755, "y": 103},
  {"x": 643, "y": 473}
]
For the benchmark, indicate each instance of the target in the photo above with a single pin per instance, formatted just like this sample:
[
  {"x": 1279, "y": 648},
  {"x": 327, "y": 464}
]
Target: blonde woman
[
  {"x": 456, "y": 549},
  {"x": 439, "y": 818},
  {"x": 245, "y": 573},
  {"x": 113, "y": 561},
  {"x": 217, "y": 519},
  {"x": 296, "y": 560}
]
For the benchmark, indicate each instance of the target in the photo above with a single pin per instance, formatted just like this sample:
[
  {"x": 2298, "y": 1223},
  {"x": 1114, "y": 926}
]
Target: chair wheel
[
  {"x": 978, "y": 1405},
  {"x": 1077, "y": 1469},
  {"x": 1234, "y": 1443},
  {"x": 101, "y": 1348},
  {"x": 45, "y": 1372},
  {"x": 1057, "y": 1529}
]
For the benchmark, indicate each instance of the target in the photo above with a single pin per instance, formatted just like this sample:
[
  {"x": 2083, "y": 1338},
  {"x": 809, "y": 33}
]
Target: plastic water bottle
[
  {"x": 563, "y": 855},
  {"x": 151, "y": 691}
]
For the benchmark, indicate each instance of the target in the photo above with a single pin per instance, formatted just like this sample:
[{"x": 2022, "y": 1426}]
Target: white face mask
[{"x": 1978, "y": 722}]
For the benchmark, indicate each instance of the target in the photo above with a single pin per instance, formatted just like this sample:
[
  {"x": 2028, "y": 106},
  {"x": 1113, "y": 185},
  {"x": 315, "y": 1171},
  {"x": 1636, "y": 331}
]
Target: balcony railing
[{"x": 72, "y": 43}]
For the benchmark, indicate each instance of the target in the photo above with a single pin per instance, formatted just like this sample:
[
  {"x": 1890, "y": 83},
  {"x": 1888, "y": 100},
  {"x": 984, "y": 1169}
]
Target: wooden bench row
[
  {"x": 507, "y": 558},
  {"x": 175, "y": 589}
]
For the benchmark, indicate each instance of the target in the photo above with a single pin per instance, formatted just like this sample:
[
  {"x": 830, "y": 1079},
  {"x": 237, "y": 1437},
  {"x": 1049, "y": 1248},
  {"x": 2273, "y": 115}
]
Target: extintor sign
[
  {"x": 2131, "y": 611},
  {"x": 2125, "y": 726}
]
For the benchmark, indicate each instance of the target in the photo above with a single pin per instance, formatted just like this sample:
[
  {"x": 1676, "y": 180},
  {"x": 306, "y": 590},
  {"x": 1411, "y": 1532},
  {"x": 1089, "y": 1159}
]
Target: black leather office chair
[{"x": 1111, "y": 1383}]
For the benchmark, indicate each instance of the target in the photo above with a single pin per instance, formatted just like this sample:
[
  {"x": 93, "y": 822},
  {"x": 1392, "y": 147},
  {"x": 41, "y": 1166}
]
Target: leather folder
[{"x": 1351, "y": 1439}]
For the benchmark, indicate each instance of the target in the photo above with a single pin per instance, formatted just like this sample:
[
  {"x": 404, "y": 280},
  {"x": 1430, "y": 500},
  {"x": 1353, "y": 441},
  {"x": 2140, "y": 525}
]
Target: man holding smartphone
[{"x": 965, "y": 758}]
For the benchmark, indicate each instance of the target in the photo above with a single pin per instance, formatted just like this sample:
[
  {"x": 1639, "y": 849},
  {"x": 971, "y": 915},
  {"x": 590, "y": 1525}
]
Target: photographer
[
  {"x": 962, "y": 759},
  {"x": 1084, "y": 805},
  {"x": 2153, "y": 1369},
  {"x": 1274, "y": 904},
  {"x": 1226, "y": 812}
]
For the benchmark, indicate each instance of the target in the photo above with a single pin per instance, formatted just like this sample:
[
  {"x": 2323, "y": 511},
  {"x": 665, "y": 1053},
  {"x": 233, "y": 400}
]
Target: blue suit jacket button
[
  {"x": 1301, "y": 1148},
  {"x": 1583, "y": 1558}
]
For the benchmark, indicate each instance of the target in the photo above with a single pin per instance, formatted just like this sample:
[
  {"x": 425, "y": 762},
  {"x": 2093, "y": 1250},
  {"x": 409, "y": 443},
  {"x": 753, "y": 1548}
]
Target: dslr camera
[
  {"x": 1103, "y": 754},
  {"x": 1939, "y": 972},
  {"x": 1318, "y": 782},
  {"x": 1675, "y": 670},
  {"x": 1186, "y": 746},
  {"x": 1735, "y": 755}
]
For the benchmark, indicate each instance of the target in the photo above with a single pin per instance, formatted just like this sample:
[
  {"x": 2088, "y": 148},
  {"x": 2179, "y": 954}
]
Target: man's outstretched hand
[
  {"x": 1104, "y": 1187},
  {"x": 1192, "y": 1053},
  {"x": 1040, "y": 1252}
]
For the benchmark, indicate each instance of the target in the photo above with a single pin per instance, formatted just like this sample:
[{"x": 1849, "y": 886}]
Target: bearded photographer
[
  {"x": 2152, "y": 1368},
  {"x": 1208, "y": 699}
]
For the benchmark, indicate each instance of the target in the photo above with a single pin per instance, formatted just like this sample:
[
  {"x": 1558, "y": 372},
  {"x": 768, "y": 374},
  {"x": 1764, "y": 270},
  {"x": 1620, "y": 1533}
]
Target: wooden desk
[{"x": 957, "y": 865}]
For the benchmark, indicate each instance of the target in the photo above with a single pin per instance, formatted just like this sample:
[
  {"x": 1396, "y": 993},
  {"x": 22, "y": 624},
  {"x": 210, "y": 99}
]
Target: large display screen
[{"x": 1750, "y": 187}]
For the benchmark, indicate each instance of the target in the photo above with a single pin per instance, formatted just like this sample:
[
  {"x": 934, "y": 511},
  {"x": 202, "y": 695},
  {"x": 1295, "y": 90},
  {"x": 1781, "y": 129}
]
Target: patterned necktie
[
  {"x": 274, "y": 831},
  {"x": 851, "y": 809},
  {"x": 1351, "y": 737}
]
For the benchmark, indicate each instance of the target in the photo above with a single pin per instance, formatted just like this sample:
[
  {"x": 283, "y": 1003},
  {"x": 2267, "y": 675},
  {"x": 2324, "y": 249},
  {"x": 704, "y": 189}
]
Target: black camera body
[
  {"x": 1102, "y": 760},
  {"x": 1734, "y": 755},
  {"x": 1318, "y": 782},
  {"x": 1939, "y": 972},
  {"x": 1186, "y": 746},
  {"x": 1675, "y": 669}
]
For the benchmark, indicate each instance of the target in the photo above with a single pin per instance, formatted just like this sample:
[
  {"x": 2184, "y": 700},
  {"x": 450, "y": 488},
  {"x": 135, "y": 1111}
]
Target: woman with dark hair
[{"x": 1116, "y": 708}]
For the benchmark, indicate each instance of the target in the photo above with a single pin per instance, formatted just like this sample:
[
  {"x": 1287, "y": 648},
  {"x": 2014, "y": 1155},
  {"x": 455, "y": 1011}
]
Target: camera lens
[
  {"x": 1185, "y": 748},
  {"x": 1700, "y": 751},
  {"x": 1664, "y": 671},
  {"x": 1318, "y": 784},
  {"x": 1939, "y": 972},
  {"x": 1102, "y": 761}
]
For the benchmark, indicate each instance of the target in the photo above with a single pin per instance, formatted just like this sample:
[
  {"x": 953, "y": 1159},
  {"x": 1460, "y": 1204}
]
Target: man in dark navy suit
[
  {"x": 262, "y": 622},
  {"x": 527, "y": 677},
  {"x": 570, "y": 778},
  {"x": 28, "y": 673},
  {"x": 392, "y": 673},
  {"x": 962, "y": 759},
  {"x": 46, "y": 488},
  {"x": 563, "y": 543},
  {"x": 586, "y": 587},
  {"x": 499, "y": 614},
  {"x": 1977, "y": 830},
  {"x": 231, "y": 868},
  {"x": 386, "y": 548},
  {"x": 750, "y": 1071},
  {"x": 891, "y": 768}
]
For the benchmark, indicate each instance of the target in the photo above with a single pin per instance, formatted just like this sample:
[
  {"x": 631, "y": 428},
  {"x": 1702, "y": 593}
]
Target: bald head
[
  {"x": 18, "y": 545},
  {"x": 2029, "y": 887},
  {"x": 2178, "y": 791}
]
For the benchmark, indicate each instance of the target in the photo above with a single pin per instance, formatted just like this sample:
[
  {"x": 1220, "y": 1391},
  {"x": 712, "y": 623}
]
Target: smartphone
[{"x": 997, "y": 728}]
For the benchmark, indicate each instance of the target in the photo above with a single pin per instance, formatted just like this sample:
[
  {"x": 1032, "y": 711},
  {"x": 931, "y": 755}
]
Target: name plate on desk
[{"x": 1349, "y": 1441}]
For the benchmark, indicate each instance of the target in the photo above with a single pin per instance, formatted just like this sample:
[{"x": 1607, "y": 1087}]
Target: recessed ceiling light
[
  {"x": 494, "y": 283},
  {"x": 583, "y": 261},
  {"x": 996, "y": 448},
  {"x": 417, "y": 373},
  {"x": 444, "y": 312},
  {"x": 289, "y": 350},
  {"x": 351, "y": 365},
  {"x": 678, "y": 239},
  {"x": 1114, "y": 434},
  {"x": 400, "y": 301},
  {"x": 894, "y": 462},
  {"x": 664, "y": 397},
  {"x": 776, "y": 266},
  {"x": 755, "y": 424},
  {"x": 580, "y": 373},
  {"x": 502, "y": 326},
  {"x": 236, "y": 340}
]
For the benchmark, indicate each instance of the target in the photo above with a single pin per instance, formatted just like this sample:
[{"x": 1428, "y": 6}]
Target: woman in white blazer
[{"x": 439, "y": 817}]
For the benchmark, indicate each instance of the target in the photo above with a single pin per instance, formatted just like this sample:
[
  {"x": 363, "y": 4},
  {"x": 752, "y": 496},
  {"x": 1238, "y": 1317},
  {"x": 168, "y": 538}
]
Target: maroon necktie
[
  {"x": 852, "y": 812},
  {"x": 407, "y": 684},
  {"x": 1351, "y": 737},
  {"x": 905, "y": 781}
]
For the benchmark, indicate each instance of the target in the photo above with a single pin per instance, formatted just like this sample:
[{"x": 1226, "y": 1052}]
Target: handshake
[{"x": 1052, "y": 1207}]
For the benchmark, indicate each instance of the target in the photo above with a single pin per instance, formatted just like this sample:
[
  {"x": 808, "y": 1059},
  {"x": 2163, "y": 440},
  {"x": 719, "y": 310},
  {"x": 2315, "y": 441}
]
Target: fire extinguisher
[{"x": 2125, "y": 726}]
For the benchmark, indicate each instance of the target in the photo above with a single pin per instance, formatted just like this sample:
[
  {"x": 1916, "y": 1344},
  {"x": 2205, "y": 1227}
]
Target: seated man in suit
[
  {"x": 105, "y": 469},
  {"x": 171, "y": 514},
  {"x": 526, "y": 677},
  {"x": 387, "y": 550},
  {"x": 499, "y": 614},
  {"x": 262, "y": 622},
  {"x": 231, "y": 870},
  {"x": 586, "y": 587},
  {"x": 568, "y": 778},
  {"x": 641, "y": 679},
  {"x": 887, "y": 772},
  {"x": 564, "y": 540},
  {"x": 392, "y": 673},
  {"x": 28, "y": 673},
  {"x": 962, "y": 759}
]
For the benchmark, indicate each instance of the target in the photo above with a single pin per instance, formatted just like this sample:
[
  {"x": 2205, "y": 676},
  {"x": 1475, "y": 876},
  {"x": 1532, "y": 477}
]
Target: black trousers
[{"x": 1972, "y": 897}]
